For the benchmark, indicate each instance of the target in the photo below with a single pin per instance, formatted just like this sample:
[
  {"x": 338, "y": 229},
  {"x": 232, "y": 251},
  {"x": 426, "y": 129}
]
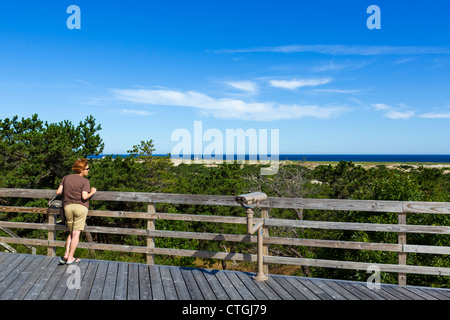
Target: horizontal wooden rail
[
  {"x": 358, "y": 265},
  {"x": 271, "y": 202},
  {"x": 397, "y": 207},
  {"x": 358, "y": 226}
]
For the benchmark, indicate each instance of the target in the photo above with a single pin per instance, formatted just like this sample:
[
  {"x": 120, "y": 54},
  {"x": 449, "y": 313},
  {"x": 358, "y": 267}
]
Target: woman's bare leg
[{"x": 75, "y": 238}]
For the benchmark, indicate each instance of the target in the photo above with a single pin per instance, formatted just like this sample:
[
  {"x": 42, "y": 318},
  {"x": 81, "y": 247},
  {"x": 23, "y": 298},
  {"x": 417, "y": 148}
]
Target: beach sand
[{"x": 405, "y": 166}]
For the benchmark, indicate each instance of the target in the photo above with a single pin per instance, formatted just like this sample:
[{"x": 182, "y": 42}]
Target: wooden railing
[{"x": 262, "y": 224}]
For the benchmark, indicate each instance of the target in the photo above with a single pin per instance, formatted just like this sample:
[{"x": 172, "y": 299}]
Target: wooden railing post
[
  {"x": 52, "y": 212},
  {"x": 265, "y": 233},
  {"x": 151, "y": 239},
  {"x": 402, "y": 255},
  {"x": 260, "y": 276}
]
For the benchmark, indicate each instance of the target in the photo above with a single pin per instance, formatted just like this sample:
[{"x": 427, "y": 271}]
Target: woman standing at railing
[{"x": 76, "y": 194}]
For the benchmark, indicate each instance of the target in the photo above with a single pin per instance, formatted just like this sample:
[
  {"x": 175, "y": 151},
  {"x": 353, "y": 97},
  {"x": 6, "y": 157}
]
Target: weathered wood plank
[
  {"x": 13, "y": 209},
  {"x": 252, "y": 287},
  {"x": 228, "y": 286},
  {"x": 392, "y": 247},
  {"x": 51, "y": 283},
  {"x": 3, "y": 257},
  {"x": 361, "y": 294},
  {"x": 27, "y": 193},
  {"x": 10, "y": 263},
  {"x": 357, "y": 226},
  {"x": 169, "y": 288},
  {"x": 315, "y": 289},
  {"x": 109, "y": 287},
  {"x": 336, "y": 286},
  {"x": 99, "y": 281},
  {"x": 16, "y": 277},
  {"x": 422, "y": 294},
  {"x": 42, "y": 280},
  {"x": 291, "y": 288},
  {"x": 72, "y": 292},
  {"x": 371, "y": 294},
  {"x": 215, "y": 284},
  {"x": 32, "y": 278},
  {"x": 156, "y": 282},
  {"x": 145, "y": 288},
  {"x": 301, "y": 288},
  {"x": 180, "y": 285},
  {"x": 62, "y": 285},
  {"x": 191, "y": 284},
  {"x": 240, "y": 287},
  {"x": 397, "y": 294},
  {"x": 336, "y": 204},
  {"x": 199, "y": 277},
  {"x": 295, "y": 203},
  {"x": 325, "y": 287},
  {"x": 281, "y": 292},
  {"x": 426, "y": 207},
  {"x": 435, "y": 292},
  {"x": 133, "y": 282},
  {"x": 267, "y": 289},
  {"x": 88, "y": 280},
  {"x": 358, "y": 265},
  {"x": 121, "y": 282},
  {"x": 41, "y": 277}
]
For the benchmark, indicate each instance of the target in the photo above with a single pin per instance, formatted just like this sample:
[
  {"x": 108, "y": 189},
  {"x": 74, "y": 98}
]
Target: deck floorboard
[{"x": 31, "y": 277}]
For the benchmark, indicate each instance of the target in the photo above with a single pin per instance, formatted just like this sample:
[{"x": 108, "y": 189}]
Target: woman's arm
[
  {"x": 87, "y": 195},
  {"x": 60, "y": 190}
]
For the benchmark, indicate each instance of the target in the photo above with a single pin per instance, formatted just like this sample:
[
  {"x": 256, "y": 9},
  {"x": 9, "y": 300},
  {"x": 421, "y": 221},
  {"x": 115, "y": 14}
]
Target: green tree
[
  {"x": 34, "y": 154},
  {"x": 343, "y": 180}
]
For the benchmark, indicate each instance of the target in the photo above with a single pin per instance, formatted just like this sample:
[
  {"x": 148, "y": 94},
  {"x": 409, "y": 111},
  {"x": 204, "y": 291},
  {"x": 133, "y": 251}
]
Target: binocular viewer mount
[
  {"x": 249, "y": 202},
  {"x": 254, "y": 199}
]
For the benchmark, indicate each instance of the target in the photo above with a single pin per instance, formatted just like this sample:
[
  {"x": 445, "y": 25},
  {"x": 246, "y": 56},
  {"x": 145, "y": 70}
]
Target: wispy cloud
[
  {"x": 82, "y": 82},
  {"x": 394, "y": 113},
  {"x": 298, "y": 83},
  {"x": 343, "y": 91},
  {"x": 436, "y": 115},
  {"x": 248, "y": 86},
  {"x": 226, "y": 108},
  {"x": 137, "y": 112},
  {"x": 381, "y": 106},
  {"x": 360, "y": 50}
]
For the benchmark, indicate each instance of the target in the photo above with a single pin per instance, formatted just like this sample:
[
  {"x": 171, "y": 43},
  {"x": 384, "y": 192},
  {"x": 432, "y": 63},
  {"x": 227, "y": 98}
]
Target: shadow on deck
[{"x": 34, "y": 277}]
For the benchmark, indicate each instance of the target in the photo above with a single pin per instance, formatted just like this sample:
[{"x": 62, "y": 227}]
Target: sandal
[{"x": 74, "y": 261}]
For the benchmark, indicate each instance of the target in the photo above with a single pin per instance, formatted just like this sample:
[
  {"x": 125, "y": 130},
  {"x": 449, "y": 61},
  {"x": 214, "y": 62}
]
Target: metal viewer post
[{"x": 249, "y": 202}]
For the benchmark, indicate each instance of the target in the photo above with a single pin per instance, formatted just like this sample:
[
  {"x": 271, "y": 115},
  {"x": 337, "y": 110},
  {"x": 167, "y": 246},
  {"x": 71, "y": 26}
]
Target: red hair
[{"x": 79, "y": 165}]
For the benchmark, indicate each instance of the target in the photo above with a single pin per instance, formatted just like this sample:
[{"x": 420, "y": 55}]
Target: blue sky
[{"x": 311, "y": 69}]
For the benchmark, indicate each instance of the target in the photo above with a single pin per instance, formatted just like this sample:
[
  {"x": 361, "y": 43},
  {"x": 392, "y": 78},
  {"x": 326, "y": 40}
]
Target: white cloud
[
  {"x": 348, "y": 65},
  {"x": 247, "y": 86},
  {"x": 137, "y": 112},
  {"x": 393, "y": 113},
  {"x": 82, "y": 82},
  {"x": 360, "y": 50},
  {"x": 433, "y": 115},
  {"x": 227, "y": 108},
  {"x": 339, "y": 90},
  {"x": 381, "y": 106},
  {"x": 294, "y": 84}
]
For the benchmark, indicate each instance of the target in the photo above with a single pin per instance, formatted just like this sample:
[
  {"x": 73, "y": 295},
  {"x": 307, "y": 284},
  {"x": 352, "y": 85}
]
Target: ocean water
[{"x": 437, "y": 158}]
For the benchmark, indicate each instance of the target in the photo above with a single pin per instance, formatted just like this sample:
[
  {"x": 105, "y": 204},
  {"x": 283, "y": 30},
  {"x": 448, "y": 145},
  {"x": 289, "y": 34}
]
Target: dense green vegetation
[{"x": 34, "y": 154}]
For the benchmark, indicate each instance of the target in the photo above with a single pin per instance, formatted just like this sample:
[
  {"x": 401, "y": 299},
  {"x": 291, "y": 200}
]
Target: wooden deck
[{"x": 34, "y": 277}]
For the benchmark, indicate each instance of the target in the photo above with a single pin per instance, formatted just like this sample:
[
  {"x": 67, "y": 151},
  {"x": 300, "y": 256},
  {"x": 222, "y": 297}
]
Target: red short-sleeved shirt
[{"x": 73, "y": 186}]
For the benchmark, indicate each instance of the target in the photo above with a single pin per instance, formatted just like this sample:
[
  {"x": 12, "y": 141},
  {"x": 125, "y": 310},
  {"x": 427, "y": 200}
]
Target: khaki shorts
[{"x": 75, "y": 216}]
